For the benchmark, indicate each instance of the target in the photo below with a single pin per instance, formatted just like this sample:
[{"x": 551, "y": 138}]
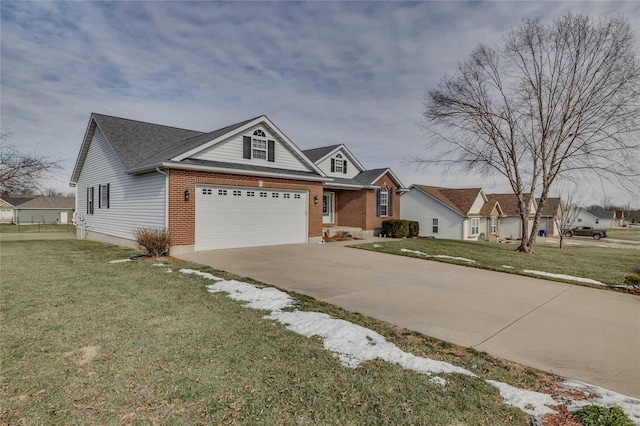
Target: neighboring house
[
  {"x": 31, "y": 209},
  {"x": 355, "y": 197},
  {"x": 459, "y": 214},
  {"x": 551, "y": 216},
  {"x": 243, "y": 185},
  {"x": 596, "y": 217},
  {"x": 510, "y": 222}
]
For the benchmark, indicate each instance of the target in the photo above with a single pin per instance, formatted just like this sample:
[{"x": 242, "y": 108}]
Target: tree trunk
[{"x": 525, "y": 245}]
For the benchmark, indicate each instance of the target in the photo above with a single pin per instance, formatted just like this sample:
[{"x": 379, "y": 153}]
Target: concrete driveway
[{"x": 577, "y": 332}]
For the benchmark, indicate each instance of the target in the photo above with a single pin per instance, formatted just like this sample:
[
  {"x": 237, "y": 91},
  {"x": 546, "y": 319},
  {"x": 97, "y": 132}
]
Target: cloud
[{"x": 324, "y": 72}]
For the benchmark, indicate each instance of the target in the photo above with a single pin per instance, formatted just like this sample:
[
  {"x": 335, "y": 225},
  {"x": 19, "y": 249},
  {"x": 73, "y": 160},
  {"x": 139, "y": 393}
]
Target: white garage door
[{"x": 228, "y": 217}]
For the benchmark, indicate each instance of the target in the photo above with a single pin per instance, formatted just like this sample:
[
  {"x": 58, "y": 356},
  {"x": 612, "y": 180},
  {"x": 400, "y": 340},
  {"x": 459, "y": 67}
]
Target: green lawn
[
  {"x": 604, "y": 264},
  {"x": 630, "y": 234},
  {"x": 88, "y": 342}
]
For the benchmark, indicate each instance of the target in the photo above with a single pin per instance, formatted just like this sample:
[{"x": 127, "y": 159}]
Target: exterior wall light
[
  {"x": 315, "y": 199},
  {"x": 186, "y": 195}
]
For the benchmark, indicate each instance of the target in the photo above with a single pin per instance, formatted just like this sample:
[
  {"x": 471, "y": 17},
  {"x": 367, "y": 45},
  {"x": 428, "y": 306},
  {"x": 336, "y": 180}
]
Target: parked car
[
  {"x": 633, "y": 225},
  {"x": 586, "y": 231}
]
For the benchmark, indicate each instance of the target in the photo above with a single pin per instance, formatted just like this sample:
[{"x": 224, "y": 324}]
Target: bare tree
[
  {"x": 20, "y": 173},
  {"x": 561, "y": 98},
  {"x": 570, "y": 206}
]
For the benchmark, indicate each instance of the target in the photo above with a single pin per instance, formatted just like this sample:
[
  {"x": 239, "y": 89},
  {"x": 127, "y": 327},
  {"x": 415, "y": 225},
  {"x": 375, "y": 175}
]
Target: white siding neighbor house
[{"x": 451, "y": 213}]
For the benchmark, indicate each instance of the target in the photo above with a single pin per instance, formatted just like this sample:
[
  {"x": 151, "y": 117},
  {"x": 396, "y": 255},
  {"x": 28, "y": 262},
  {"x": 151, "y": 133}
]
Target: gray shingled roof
[
  {"x": 66, "y": 203},
  {"x": 368, "y": 176},
  {"x": 191, "y": 143},
  {"x": 16, "y": 200},
  {"x": 317, "y": 153},
  {"x": 601, "y": 213}
]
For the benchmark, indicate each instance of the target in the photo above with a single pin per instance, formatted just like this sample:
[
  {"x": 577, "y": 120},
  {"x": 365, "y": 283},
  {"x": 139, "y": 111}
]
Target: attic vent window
[{"x": 259, "y": 133}]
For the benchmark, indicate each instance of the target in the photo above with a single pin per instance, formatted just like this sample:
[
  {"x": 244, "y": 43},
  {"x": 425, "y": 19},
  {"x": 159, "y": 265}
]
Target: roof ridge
[{"x": 146, "y": 122}]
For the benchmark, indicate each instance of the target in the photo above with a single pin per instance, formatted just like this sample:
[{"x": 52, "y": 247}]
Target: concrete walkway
[{"x": 578, "y": 332}]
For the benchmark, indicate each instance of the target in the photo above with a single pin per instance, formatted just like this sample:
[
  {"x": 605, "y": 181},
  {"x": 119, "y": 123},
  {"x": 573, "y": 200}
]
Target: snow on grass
[
  {"x": 377, "y": 246},
  {"x": 267, "y": 298},
  {"x": 354, "y": 344},
  {"x": 534, "y": 403},
  {"x": 604, "y": 397},
  {"x": 205, "y": 275},
  {"x": 120, "y": 260},
  {"x": 507, "y": 267},
  {"x": 437, "y": 380},
  {"x": 157, "y": 264},
  {"x": 563, "y": 277},
  {"x": 439, "y": 256}
]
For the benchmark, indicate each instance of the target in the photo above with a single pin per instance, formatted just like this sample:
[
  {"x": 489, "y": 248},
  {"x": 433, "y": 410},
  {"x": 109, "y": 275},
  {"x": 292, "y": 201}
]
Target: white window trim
[
  {"x": 435, "y": 225},
  {"x": 475, "y": 220},
  {"x": 493, "y": 225},
  {"x": 384, "y": 202}
]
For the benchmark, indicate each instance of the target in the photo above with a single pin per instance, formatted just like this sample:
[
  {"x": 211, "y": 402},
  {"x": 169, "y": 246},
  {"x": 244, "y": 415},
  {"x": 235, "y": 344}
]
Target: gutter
[{"x": 227, "y": 171}]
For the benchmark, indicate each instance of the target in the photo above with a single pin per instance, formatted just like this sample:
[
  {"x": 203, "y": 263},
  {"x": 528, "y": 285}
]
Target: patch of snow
[
  {"x": 205, "y": 275},
  {"x": 267, "y": 298},
  {"x": 120, "y": 261},
  {"x": 507, "y": 267},
  {"x": 169, "y": 271},
  {"x": 604, "y": 397},
  {"x": 574, "y": 244},
  {"x": 601, "y": 245},
  {"x": 354, "y": 344},
  {"x": 440, "y": 256},
  {"x": 438, "y": 381},
  {"x": 377, "y": 246},
  {"x": 563, "y": 277},
  {"x": 533, "y": 403},
  {"x": 158, "y": 264}
]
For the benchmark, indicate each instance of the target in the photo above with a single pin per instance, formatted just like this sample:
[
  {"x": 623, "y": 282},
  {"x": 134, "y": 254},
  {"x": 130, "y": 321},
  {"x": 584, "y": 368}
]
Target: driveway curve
[{"x": 577, "y": 332}]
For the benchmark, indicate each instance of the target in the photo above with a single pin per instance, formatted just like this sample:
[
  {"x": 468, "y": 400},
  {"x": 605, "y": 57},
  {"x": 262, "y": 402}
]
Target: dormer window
[
  {"x": 338, "y": 165},
  {"x": 259, "y": 145}
]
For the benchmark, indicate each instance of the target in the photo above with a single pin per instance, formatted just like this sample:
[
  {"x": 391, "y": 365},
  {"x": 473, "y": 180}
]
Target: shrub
[
  {"x": 155, "y": 241},
  {"x": 399, "y": 228},
  {"x": 633, "y": 280},
  {"x": 594, "y": 415}
]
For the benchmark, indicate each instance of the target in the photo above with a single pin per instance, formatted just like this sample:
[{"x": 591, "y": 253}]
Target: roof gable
[
  {"x": 318, "y": 155},
  {"x": 551, "y": 206},
  {"x": 509, "y": 203},
  {"x": 458, "y": 199},
  {"x": 601, "y": 213}
]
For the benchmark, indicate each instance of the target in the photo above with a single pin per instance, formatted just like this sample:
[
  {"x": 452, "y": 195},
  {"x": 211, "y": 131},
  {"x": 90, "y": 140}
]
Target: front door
[{"x": 328, "y": 207}]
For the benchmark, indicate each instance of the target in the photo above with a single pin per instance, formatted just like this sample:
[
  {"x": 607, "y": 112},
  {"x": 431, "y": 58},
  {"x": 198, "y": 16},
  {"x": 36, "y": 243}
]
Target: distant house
[
  {"x": 32, "y": 209},
  {"x": 510, "y": 222},
  {"x": 451, "y": 213},
  {"x": 551, "y": 216},
  {"x": 596, "y": 217}
]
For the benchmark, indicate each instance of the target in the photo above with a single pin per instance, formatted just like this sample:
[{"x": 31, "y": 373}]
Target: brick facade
[
  {"x": 182, "y": 214},
  {"x": 358, "y": 208}
]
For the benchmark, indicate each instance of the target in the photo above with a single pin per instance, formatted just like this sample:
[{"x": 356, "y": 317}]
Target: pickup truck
[{"x": 586, "y": 231}]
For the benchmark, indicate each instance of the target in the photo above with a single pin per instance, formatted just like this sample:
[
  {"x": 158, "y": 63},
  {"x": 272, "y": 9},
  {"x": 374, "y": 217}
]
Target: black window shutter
[
  {"x": 108, "y": 194},
  {"x": 88, "y": 189},
  {"x": 93, "y": 198},
  {"x": 333, "y": 165},
  {"x": 246, "y": 147},
  {"x": 271, "y": 151},
  {"x": 378, "y": 202},
  {"x": 390, "y": 212},
  {"x": 344, "y": 167},
  {"x": 99, "y": 196}
]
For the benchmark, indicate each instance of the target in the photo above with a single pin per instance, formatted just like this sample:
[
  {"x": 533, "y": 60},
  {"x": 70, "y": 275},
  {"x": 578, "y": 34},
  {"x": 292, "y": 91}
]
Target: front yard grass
[
  {"x": 88, "y": 342},
  {"x": 604, "y": 264}
]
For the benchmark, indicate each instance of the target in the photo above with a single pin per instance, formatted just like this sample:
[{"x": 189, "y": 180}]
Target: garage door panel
[{"x": 228, "y": 217}]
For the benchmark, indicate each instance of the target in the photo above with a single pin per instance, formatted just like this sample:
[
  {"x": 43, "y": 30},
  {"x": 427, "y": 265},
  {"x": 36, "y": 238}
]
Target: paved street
[{"x": 582, "y": 333}]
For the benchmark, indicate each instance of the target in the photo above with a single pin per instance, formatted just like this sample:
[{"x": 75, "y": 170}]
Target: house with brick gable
[
  {"x": 246, "y": 184},
  {"x": 452, "y": 213},
  {"x": 355, "y": 197}
]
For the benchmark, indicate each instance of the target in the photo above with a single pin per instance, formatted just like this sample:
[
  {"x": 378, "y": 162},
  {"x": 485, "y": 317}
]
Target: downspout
[{"x": 166, "y": 198}]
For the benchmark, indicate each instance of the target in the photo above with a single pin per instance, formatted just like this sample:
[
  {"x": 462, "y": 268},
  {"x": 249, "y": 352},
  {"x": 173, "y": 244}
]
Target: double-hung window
[
  {"x": 259, "y": 145},
  {"x": 338, "y": 164},
  {"x": 384, "y": 202},
  {"x": 103, "y": 196},
  {"x": 475, "y": 226},
  {"x": 434, "y": 225},
  {"x": 493, "y": 225}
]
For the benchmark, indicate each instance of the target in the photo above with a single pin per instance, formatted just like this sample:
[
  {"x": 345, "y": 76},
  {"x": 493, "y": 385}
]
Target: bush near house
[
  {"x": 155, "y": 241},
  {"x": 594, "y": 415},
  {"x": 400, "y": 228}
]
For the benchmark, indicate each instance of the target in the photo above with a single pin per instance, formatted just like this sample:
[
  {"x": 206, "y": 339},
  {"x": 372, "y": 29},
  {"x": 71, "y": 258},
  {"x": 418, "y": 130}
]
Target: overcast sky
[{"x": 323, "y": 72}]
